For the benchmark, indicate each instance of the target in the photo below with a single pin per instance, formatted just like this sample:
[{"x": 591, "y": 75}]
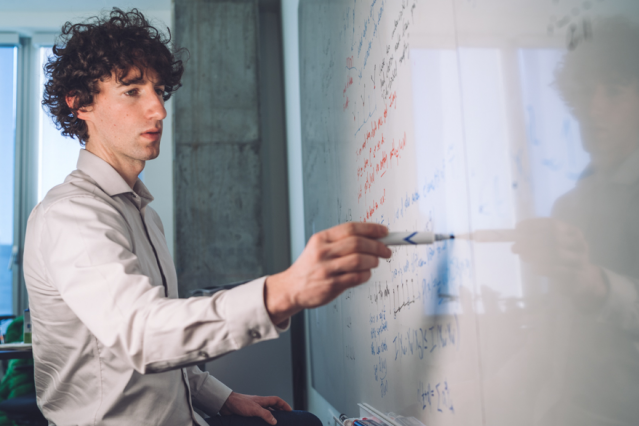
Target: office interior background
[{"x": 228, "y": 182}]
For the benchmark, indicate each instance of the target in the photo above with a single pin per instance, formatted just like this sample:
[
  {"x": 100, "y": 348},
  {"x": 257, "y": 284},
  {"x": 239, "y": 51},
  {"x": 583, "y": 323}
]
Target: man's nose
[{"x": 155, "y": 106}]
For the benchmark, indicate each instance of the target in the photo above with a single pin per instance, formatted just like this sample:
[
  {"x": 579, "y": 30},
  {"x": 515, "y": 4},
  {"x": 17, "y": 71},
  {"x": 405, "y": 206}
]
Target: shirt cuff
[
  {"x": 246, "y": 314},
  {"x": 212, "y": 395}
]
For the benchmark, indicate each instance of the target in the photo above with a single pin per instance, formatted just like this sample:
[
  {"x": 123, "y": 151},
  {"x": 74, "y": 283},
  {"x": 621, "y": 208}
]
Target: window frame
[
  {"x": 23, "y": 178},
  {"x": 12, "y": 39},
  {"x": 26, "y": 149}
]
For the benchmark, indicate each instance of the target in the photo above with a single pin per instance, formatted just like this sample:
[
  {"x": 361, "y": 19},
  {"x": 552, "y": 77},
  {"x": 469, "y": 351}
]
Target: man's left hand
[{"x": 254, "y": 406}]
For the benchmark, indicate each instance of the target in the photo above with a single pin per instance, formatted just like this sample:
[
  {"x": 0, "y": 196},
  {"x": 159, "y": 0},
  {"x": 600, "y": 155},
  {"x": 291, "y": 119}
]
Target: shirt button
[{"x": 254, "y": 334}]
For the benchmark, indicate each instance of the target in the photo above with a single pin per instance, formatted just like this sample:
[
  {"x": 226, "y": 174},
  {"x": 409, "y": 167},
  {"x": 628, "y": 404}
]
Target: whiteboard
[{"x": 515, "y": 118}]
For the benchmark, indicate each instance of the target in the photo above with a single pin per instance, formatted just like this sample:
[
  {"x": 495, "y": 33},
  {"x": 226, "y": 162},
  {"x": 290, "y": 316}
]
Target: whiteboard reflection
[{"x": 515, "y": 126}]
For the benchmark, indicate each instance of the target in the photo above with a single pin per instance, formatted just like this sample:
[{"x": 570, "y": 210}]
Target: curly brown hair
[
  {"x": 610, "y": 57},
  {"x": 94, "y": 50}
]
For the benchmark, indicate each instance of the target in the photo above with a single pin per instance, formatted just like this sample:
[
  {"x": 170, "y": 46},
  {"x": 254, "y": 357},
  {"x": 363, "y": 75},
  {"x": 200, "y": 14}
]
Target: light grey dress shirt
[{"x": 112, "y": 344}]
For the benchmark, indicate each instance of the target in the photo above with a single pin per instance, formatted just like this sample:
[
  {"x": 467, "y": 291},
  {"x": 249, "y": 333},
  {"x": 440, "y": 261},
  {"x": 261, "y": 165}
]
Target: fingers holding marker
[
  {"x": 334, "y": 260},
  {"x": 339, "y": 232},
  {"x": 352, "y": 263},
  {"x": 357, "y": 244},
  {"x": 352, "y": 279}
]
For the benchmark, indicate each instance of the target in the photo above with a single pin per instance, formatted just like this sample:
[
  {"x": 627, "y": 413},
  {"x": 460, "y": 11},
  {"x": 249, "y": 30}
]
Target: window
[
  {"x": 57, "y": 155},
  {"x": 8, "y": 87},
  {"x": 35, "y": 157}
]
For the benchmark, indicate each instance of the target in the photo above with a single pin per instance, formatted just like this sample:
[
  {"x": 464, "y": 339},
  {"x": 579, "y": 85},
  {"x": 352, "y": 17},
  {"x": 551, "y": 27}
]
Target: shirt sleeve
[
  {"x": 207, "y": 392},
  {"x": 87, "y": 252}
]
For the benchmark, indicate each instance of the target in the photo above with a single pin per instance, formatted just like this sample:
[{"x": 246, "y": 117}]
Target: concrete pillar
[
  {"x": 231, "y": 199},
  {"x": 218, "y": 212}
]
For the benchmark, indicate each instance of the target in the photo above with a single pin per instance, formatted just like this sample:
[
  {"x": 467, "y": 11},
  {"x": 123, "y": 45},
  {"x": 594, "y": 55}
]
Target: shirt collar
[{"x": 110, "y": 181}]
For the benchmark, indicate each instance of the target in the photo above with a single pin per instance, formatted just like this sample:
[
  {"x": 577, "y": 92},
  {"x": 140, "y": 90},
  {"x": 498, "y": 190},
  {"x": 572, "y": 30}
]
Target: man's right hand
[{"x": 333, "y": 261}]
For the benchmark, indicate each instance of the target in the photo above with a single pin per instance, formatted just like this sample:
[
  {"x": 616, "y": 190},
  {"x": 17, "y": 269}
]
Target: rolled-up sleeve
[{"x": 88, "y": 254}]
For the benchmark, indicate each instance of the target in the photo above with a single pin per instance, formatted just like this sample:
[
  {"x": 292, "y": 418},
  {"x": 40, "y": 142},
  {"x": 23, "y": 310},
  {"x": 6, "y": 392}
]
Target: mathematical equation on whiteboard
[
  {"x": 388, "y": 333},
  {"x": 419, "y": 281},
  {"x": 391, "y": 342},
  {"x": 370, "y": 98},
  {"x": 421, "y": 343},
  {"x": 436, "y": 396}
]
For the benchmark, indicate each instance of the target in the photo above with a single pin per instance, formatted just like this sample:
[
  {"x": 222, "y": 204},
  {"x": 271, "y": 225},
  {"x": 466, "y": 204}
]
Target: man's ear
[{"x": 71, "y": 102}]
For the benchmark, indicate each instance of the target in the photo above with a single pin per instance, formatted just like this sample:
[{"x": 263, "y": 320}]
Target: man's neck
[{"x": 128, "y": 168}]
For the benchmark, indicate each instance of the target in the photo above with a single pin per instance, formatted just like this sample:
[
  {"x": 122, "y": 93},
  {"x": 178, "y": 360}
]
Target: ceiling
[{"x": 80, "y": 5}]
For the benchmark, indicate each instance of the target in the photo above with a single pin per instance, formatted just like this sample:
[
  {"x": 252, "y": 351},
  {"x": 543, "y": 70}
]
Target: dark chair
[{"x": 24, "y": 410}]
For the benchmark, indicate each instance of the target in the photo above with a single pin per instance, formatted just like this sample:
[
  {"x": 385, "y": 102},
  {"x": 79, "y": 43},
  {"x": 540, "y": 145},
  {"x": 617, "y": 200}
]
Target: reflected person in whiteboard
[
  {"x": 113, "y": 345},
  {"x": 589, "y": 248}
]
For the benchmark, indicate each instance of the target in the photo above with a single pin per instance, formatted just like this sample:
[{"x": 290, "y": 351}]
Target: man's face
[
  {"x": 125, "y": 119},
  {"x": 611, "y": 127}
]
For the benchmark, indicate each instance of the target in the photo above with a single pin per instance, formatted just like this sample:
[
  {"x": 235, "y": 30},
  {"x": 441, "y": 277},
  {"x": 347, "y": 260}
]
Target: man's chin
[
  {"x": 152, "y": 156},
  {"x": 151, "y": 152}
]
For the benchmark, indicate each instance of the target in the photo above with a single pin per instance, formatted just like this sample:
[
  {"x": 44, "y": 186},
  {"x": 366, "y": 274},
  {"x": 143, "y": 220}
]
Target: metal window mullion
[{"x": 26, "y": 160}]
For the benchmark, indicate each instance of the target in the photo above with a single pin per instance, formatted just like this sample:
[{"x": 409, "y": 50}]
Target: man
[
  {"x": 588, "y": 248},
  {"x": 112, "y": 343}
]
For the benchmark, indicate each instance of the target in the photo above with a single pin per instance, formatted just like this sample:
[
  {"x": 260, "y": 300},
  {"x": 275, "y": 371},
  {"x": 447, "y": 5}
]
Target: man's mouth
[{"x": 153, "y": 133}]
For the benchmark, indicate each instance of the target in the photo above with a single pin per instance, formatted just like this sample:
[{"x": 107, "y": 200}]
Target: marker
[
  {"x": 413, "y": 238},
  {"x": 366, "y": 422},
  {"x": 345, "y": 420}
]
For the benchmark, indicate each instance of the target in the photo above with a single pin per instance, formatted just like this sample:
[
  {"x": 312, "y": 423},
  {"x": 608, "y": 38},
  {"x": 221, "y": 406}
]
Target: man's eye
[
  {"x": 132, "y": 92},
  {"x": 160, "y": 92}
]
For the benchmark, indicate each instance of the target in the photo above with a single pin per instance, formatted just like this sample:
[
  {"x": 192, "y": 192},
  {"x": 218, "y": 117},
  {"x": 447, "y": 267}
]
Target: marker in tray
[
  {"x": 364, "y": 421},
  {"x": 368, "y": 422}
]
